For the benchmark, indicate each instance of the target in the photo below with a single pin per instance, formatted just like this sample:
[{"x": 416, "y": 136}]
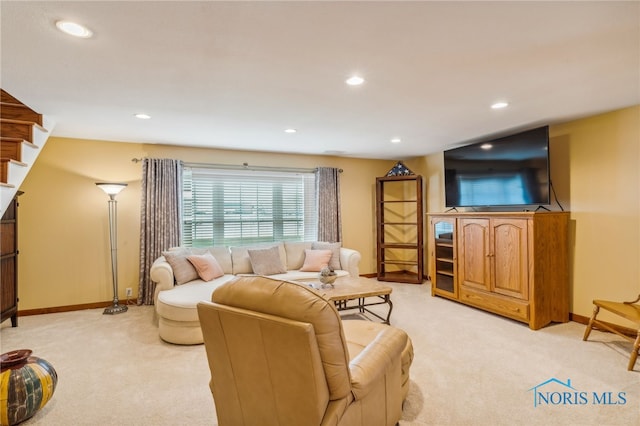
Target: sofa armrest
[
  {"x": 350, "y": 261},
  {"x": 376, "y": 360},
  {"x": 162, "y": 274}
]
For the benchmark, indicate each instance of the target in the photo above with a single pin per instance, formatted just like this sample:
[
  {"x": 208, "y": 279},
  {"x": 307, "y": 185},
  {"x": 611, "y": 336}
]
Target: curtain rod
[{"x": 244, "y": 166}]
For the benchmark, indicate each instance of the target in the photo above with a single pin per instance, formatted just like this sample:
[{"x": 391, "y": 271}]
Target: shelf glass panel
[{"x": 444, "y": 282}]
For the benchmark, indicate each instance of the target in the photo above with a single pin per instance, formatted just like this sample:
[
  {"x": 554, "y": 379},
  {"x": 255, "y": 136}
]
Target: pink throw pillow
[
  {"x": 206, "y": 265},
  {"x": 314, "y": 260}
]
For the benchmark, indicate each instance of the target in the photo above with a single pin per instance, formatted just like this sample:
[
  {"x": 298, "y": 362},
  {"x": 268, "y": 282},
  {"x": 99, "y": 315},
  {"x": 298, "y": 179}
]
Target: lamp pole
[{"x": 112, "y": 189}]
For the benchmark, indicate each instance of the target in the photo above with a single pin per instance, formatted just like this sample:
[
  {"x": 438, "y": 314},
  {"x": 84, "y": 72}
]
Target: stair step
[
  {"x": 18, "y": 111},
  {"x": 4, "y": 171},
  {"x": 12, "y": 147},
  {"x": 23, "y": 122},
  {"x": 18, "y": 140},
  {"x": 19, "y": 129},
  {"x": 9, "y": 129},
  {"x": 6, "y": 97},
  {"x": 4, "y": 168}
]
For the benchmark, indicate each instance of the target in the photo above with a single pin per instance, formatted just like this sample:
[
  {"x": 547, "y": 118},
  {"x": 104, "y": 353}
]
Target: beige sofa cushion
[
  {"x": 207, "y": 266},
  {"x": 334, "y": 247},
  {"x": 179, "y": 304},
  {"x": 266, "y": 261},
  {"x": 183, "y": 270},
  {"x": 241, "y": 261},
  {"x": 223, "y": 256},
  {"x": 295, "y": 253},
  {"x": 315, "y": 260}
]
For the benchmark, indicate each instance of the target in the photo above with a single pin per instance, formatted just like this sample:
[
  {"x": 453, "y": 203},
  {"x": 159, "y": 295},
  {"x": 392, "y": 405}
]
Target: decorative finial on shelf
[{"x": 399, "y": 170}]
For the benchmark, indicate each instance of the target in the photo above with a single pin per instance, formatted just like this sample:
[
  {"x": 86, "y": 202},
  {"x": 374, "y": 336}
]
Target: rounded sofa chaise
[{"x": 179, "y": 288}]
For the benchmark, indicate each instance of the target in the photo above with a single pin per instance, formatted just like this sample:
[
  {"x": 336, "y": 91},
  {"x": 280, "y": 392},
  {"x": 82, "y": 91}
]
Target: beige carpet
[{"x": 471, "y": 368}]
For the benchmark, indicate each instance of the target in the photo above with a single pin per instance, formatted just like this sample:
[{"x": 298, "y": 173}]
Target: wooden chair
[{"x": 627, "y": 310}]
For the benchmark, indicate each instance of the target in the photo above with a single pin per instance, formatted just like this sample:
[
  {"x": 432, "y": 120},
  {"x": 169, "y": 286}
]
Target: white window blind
[
  {"x": 499, "y": 190},
  {"x": 239, "y": 207}
]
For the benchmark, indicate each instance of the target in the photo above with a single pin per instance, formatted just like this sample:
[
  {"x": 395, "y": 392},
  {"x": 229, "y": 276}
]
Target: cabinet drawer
[{"x": 498, "y": 304}]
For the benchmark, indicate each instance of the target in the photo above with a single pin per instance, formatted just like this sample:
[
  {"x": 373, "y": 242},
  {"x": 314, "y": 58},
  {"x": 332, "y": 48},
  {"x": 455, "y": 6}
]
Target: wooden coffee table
[{"x": 358, "y": 293}]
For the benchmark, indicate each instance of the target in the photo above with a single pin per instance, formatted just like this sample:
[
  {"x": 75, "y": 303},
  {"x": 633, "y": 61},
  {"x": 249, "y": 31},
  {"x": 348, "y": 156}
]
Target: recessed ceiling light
[
  {"x": 143, "y": 116},
  {"x": 355, "y": 80},
  {"x": 396, "y": 140},
  {"x": 74, "y": 29},
  {"x": 290, "y": 130},
  {"x": 486, "y": 146},
  {"x": 499, "y": 105}
]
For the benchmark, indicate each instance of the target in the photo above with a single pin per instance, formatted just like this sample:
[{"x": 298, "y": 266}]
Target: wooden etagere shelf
[{"x": 400, "y": 252}]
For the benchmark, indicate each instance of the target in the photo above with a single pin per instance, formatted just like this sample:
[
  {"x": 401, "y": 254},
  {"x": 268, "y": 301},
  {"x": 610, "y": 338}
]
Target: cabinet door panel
[
  {"x": 474, "y": 262},
  {"x": 510, "y": 257},
  {"x": 7, "y": 238},
  {"x": 443, "y": 257},
  {"x": 7, "y": 274}
]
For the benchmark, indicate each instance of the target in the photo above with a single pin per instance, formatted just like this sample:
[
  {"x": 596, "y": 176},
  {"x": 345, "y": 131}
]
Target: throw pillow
[
  {"x": 314, "y": 260},
  {"x": 183, "y": 270},
  {"x": 335, "y": 250},
  {"x": 206, "y": 265},
  {"x": 266, "y": 261}
]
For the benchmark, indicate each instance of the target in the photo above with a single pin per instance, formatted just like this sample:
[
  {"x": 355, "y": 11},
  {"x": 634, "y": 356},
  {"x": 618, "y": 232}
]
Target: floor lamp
[{"x": 112, "y": 189}]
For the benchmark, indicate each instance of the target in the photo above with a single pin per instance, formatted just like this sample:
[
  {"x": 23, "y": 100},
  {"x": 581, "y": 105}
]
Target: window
[
  {"x": 234, "y": 207},
  {"x": 500, "y": 190}
]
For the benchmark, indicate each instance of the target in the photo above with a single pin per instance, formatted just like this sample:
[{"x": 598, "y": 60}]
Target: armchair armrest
[
  {"x": 376, "y": 360},
  {"x": 162, "y": 274},
  {"x": 350, "y": 261}
]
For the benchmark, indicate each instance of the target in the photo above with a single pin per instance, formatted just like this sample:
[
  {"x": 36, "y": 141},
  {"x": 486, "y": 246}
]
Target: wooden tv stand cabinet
[{"x": 514, "y": 264}]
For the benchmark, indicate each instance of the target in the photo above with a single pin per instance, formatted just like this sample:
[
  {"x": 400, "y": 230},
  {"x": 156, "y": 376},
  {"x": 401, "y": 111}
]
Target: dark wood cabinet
[
  {"x": 9, "y": 263},
  {"x": 400, "y": 250}
]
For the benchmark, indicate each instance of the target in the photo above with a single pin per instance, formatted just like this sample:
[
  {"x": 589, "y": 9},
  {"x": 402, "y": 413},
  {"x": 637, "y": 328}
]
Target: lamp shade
[{"x": 111, "y": 188}]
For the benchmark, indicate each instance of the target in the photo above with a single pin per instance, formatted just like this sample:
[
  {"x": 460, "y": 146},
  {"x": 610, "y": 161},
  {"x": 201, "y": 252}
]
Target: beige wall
[
  {"x": 601, "y": 187},
  {"x": 64, "y": 241},
  {"x": 64, "y": 248}
]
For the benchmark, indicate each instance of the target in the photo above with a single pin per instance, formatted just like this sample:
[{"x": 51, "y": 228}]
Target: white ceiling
[{"x": 236, "y": 74}]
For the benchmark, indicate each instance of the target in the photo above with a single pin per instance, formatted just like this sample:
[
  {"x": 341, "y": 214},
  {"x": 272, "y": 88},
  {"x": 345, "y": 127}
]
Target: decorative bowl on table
[
  {"x": 327, "y": 276},
  {"x": 329, "y": 279}
]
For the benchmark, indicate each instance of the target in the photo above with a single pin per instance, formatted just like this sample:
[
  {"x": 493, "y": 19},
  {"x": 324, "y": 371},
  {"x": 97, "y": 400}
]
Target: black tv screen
[{"x": 507, "y": 171}]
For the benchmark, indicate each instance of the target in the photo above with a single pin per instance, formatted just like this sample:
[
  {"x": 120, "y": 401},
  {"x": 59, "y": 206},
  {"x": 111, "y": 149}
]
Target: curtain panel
[
  {"x": 159, "y": 217},
  {"x": 328, "y": 196}
]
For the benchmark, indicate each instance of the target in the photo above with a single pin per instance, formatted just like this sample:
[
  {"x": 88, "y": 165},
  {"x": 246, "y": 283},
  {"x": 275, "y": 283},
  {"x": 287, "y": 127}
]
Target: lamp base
[{"x": 115, "y": 309}]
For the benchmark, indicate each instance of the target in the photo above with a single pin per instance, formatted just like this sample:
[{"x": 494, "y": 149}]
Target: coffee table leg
[
  {"x": 363, "y": 308},
  {"x": 388, "y": 300}
]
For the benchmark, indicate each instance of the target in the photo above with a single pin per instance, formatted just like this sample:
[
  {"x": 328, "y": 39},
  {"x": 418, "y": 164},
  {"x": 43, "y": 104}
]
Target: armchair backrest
[{"x": 276, "y": 350}]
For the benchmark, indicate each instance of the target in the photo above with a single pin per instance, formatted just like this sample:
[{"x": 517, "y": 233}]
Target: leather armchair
[{"x": 279, "y": 355}]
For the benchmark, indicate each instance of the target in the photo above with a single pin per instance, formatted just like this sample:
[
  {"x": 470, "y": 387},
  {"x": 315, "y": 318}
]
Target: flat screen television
[{"x": 507, "y": 171}]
